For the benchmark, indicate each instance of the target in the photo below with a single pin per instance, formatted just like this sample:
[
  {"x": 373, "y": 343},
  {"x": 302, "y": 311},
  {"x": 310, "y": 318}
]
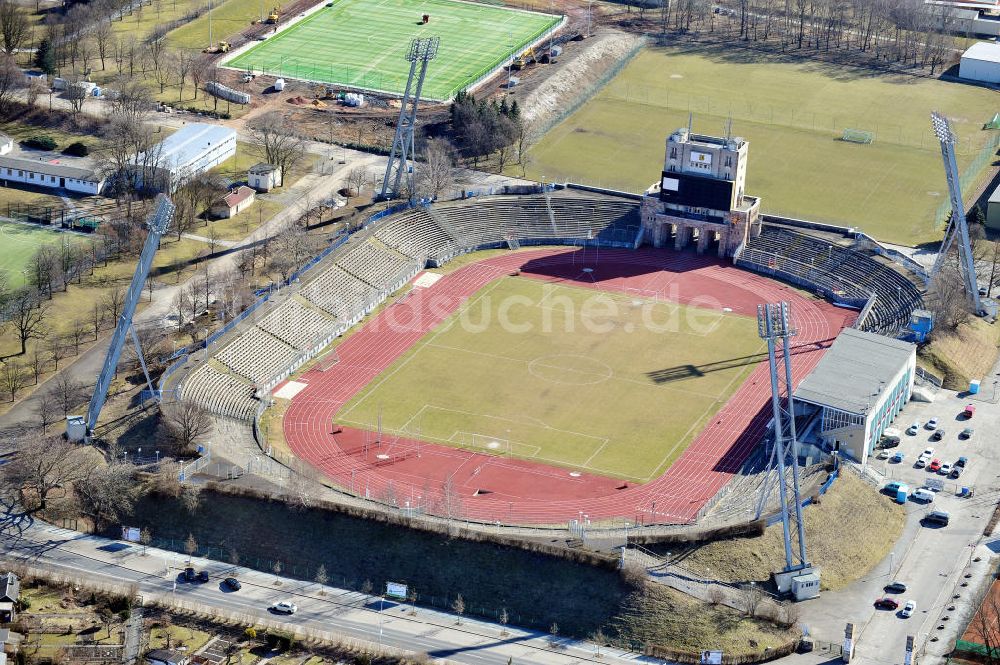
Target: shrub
[
  {"x": 41, "y": 143},
  {"x": 77, "y": 149}
]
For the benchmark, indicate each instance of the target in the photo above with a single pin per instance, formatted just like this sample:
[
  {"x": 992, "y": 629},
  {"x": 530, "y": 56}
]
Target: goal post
[{"x": 858, "y": 136}]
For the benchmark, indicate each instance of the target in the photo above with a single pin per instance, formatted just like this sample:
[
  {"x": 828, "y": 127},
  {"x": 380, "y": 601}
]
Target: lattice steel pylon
[
  {"x": 157, "y": 223},
  {"x": 774, "y": 327},
  {"x": 421, "y": 52},
  {"x": 958, "y": 226}
]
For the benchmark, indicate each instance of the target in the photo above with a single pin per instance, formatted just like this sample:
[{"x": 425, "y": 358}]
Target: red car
[
  {"x": 886, "y": 603},
  {"x": 969, "y": 411},
  {"x": 934, "y": 466}
]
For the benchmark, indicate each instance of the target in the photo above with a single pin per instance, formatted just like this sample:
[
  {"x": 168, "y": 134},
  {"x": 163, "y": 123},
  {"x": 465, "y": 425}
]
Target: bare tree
[
  {"x": 947, "y": 299},
  {"x": 45, "y": 410},
  {"x": 107, "y": 494},
  {"x": 184, "y": 424},
  {"x": 436, "y": 175},
  {"x": 27, "y": 316},
  {"x": 504, "y": 620},
  {"x": 11, "y": 77},
  {"x": 357, "y": 179},
  {"x": 458, "y": 607},
  {"x": 77, "y": 95},
  {"x": 103, "y": 36},
  {"x": 76, "y": 333},
  {"x": 277, "y": 141},
  {"x": 13, "y": 378},
  {"x": 114, "y": 302},
  {"x": 183, "y": 62},
  {"x": 15, "y": 28},
  {"x": 190, "y": 545},
  {"x": 752, "y": 598},
  {"x": 41, "y": 465},
  {"x": 146, "y": 538},
  {"x": 68, "y": 392}
]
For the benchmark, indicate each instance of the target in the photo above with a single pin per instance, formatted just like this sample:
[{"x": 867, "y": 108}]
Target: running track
[{"x": 477, "y": 486}]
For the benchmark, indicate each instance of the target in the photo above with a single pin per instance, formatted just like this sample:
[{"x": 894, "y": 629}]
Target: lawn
[
  {"x": 793, "y": 114},
  {"x": 362, "y": 44},
  {"x": 563, "y": 375},
  {"x": 19, "y": 242},
  {"x": 227, "y": 18}
]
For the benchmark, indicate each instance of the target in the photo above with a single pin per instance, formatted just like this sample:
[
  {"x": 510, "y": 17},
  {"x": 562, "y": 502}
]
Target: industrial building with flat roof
[
  {"x": 192, "y": 150},
  {"x": 856, "y": 390},
  {"x": 51, "y": 175},
  {"x": 981, "y": 62}
]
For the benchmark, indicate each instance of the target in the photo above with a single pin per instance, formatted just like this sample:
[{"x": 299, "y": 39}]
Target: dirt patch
[{"x": 852, "y": 511}]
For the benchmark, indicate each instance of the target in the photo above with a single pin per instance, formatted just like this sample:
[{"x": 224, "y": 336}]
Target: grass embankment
[
  {"x": 536, "y": 589},
  {"x": 851, "y": 512},
  {"x": 962, "y": 355}
]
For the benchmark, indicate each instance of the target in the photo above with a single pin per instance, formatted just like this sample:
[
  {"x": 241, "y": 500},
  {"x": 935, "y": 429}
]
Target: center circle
[{"x": 570, "y": 369}]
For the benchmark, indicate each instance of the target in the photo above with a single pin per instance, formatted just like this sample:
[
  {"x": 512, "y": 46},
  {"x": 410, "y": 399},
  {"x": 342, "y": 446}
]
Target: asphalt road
[{"x": 332, "y": 612}]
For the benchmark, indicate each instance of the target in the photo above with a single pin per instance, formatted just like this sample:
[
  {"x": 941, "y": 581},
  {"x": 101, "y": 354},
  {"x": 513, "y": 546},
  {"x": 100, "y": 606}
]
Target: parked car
[
  {"x": 921, "y": 462},
  {"x": 285, "y": 607},
  {"x": 938, "y": 434},
  {"x": 932, "y": 423},
  {"x": 203, "y": 576},
  {"x": 189, "y": 574},
  {"x": 895, "y": 587},
  {"x": 232, "y": 583},
  {"x": 923, "y": 494},
  {"x": 897, "y": 458},
  {"x": 970, "y": 410},
  {"x": 945, "y": 469},
  {"x": 928, "y": 452},
  {"x": 937, "y": 517},
  {"x": 961, "y": 462},
  {"x": 882, "y": 454},
  {"x": 914, "y": 428},
  {"x": 956, "y": 471},
  {"x": 908, "y": 609},
  {"x": 886, "y": 603},
  {"x": 966, "y": 433},
  {"x": 934, "y": 466}
]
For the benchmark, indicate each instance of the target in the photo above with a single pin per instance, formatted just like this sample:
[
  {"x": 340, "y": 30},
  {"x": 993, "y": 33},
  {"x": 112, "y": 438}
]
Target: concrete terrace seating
[
  {"x": 415, "y": 234},
  {"x": 848, "y": 274},
  {"x": 257, "y": 355},
  {"x": 378, "y": 266},
  {"x": 296, "y": 324},
  {"x": 339, "y": 293},
  {"x": 220, "y": 392}
]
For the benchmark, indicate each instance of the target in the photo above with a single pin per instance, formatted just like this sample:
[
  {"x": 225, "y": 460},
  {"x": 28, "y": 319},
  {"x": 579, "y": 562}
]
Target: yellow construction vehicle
[
  {"x": 273, "y": 16},
  {"x": 526, "y": 58},
  {"x": 221, "y": 47}
]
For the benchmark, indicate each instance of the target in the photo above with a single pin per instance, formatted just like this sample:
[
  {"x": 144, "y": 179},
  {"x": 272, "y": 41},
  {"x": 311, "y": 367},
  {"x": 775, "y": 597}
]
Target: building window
[
  {"x": 673, "y": 153},
  {"x": 729, "y": 160}
]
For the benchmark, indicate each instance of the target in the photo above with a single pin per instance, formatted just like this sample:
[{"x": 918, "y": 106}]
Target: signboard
[
  {"x": 701, "y": 159},
  {"x": 396, "y": 590},
  {"x": 711, "y": 658},
  {"x": 697, "y": 191},
  {"x": 131, "y": 534}
]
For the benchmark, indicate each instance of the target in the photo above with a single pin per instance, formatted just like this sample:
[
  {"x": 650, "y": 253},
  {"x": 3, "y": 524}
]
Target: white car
[
  {"x": 945, "y": 469},
  {"x": 914, "y": 428},
  {"x": 883, "y": 454},
  {"x": 285, "y": 607},
  {"x": 932, "y": 424},
  {"x": 908, "y": 609},
  {"x": 921, "y": 462},
  {"x": 928, "y": 452}
]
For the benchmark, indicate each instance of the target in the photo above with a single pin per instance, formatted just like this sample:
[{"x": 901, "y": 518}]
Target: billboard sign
[
  {"x": 131, "y": 534},
  {"x": 701, "y": 159},
  {"x": 396, "y": 590},
  {"x": 697, "y": 191},
  {"x": 711, "y": 658}
]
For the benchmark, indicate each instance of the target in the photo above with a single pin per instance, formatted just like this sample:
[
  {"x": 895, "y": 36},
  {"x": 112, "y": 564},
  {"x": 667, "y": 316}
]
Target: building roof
[
  {"x": 49, "y": 168},
  {"x": 851, "y": 375},
  {"x": 995, "y": 196},
  {"x": 238, "y": 196},
  {"x": 984, "y": 51},
  {"x": 965, "y": 4},
  {"x": 190, "y": 142},
  {"x": 165, "y": 655},
  {"x": 262, "y": 168},
  {"x": 10, "y": 587}
]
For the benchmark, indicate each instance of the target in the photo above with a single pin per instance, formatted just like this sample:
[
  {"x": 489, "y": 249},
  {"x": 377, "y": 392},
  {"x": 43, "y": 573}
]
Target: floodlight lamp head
[
  {"x": 942, "y": 128},
  {"x": 423, "y": 49}
]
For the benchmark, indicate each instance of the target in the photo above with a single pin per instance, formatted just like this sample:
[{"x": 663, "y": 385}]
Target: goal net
[
  {"x": 994, "y": 122},
  {"x": 328, "y": 360},
  {"x": 858, "y": 136}
]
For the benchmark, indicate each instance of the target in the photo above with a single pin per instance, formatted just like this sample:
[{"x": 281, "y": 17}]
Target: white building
[
  {"x": 193, "y": 149},
  {"x": 233, "y": 203},
  {"x": 264, "y": 177},
  {"x": 859, "y": 386},
  {"x": 981, "y": 62},
  {"x": 6, "y": 144},
  {"x": 51, "y": 175}
]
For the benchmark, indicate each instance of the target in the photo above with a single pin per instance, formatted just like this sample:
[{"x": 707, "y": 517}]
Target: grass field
[
  {"x": 362, "y": 43},
  {"x": 563, "y": 375},
  {"x": 793, "y": 114},
  {"x": 19, "y": 242}
]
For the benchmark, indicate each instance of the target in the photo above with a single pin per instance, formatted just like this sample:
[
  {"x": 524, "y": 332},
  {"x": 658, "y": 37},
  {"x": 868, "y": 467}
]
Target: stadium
[{"x": 550, "y": 353}]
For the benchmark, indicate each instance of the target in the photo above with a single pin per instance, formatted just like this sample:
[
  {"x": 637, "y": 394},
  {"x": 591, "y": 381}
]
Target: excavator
[
  {"x": 274, "y": 15},
  {"x": 221, "y": 47}
]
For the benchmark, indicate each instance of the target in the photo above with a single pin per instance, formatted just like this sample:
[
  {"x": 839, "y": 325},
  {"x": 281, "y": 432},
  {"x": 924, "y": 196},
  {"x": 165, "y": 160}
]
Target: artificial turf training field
[
  {"x": 18, "y": 243},
  {"x": 793, "y": 114},
  {"x": 362, "y": 43},
  {"x": 601, "y": 382}
]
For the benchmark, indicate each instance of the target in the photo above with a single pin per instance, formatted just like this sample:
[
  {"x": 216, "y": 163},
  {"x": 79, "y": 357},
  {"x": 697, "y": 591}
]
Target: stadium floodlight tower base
[
  {"x": 957, "y": 226},
  {"x": 80, "y": 428},
  {"x": 422, "y": 51}
]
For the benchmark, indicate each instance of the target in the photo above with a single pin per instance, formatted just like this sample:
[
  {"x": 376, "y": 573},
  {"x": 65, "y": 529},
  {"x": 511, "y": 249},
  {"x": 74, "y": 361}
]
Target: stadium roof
[
  {"x": 850, "y": 376},
  {"x": 49, "y": 168},
  {"x": 190, "y": 142},
  {"x": 985, "y": 51}
]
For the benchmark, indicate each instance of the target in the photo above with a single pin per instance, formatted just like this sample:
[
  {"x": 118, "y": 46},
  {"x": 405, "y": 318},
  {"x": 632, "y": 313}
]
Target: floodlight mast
[
  {"x": 958, "y": 225},
  {"x": 422, "y": 50}
]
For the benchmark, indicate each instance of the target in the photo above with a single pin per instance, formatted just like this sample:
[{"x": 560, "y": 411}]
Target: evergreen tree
[{"x": 45, "y": 57}]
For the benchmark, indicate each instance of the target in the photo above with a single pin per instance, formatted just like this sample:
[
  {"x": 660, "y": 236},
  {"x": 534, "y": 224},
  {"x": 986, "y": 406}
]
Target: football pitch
[
  {"x": 362, "y": 44},
  {"x": 601, "y": 382},
  {"x": 18, "y": 243},
  {"x": 794, "y": 114}
]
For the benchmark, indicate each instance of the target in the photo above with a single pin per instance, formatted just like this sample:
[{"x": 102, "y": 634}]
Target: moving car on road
[
  {"x": 886, "y": 603},
  {"x": 285, "y": 607},
  {"x": 908, "y": 609},
  {"x": 895, "y": 587},
  {"x": 232, "y": 583}
]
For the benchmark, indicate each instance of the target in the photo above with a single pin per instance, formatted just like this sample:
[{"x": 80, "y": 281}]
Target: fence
[
  {"x": 194, "y": 467},
  {"x": 971, "y": 174}
]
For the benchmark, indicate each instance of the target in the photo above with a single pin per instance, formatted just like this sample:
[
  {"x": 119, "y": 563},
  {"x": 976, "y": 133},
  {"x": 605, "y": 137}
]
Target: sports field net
[
  {"x": 994, "y": 122},
  {"x": 858, "y": 136}
]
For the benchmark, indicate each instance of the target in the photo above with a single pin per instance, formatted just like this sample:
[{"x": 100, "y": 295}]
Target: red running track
[{"x": 479, "y": 486}]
